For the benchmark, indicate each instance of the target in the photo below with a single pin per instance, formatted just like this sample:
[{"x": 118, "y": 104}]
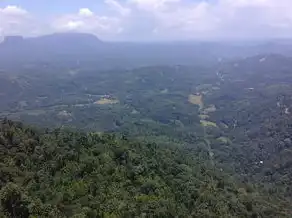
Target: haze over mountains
[{"x": 78, "y": 47}]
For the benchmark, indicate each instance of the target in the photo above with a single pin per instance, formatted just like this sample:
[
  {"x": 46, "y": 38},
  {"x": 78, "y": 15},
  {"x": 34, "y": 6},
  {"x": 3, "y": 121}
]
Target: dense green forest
[
  {"x": 62, "y": 173},
  {"x": 168, "y": 140}
]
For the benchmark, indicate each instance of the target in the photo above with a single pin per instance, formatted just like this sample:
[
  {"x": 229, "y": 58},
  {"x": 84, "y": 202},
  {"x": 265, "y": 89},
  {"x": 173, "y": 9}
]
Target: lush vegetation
[
  {"x": 201, "y": 141},
  {"x": 65, "y": 174}
]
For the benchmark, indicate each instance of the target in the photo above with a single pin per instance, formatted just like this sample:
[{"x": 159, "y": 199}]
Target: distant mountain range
[
  {"x": 60, "y": 43},
  {"x": 81, "y": 47}
]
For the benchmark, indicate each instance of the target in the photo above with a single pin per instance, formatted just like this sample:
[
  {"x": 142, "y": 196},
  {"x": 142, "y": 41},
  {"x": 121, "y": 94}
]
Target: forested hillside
[
  {"x": 235, "y": 113},
  {"x": 64, "y": 174}
]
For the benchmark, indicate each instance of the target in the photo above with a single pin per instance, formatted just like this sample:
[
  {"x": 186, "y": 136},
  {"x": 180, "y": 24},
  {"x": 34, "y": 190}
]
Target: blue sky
[
  {"x": 148, "y": 20},
  {"x": 44, "y": 7}
]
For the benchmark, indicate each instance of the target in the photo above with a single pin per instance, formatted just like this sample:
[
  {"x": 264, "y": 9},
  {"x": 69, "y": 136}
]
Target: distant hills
[
  {"x": 56, "y": 38},
  {"x": 44, "y": 46},
  {"x": 82, "y": 47}
]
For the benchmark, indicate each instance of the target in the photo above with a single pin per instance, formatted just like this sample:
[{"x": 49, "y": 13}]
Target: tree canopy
[{"x": 62, "y": 173}]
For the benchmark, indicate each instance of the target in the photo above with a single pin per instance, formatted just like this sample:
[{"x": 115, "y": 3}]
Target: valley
[{"x": 155, "y": 140}]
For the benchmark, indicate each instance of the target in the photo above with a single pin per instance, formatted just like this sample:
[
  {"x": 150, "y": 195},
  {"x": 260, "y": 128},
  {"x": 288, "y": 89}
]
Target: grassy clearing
[
  {"x": 208, "y": 123},
  {"x": 224, "y": 140},
  {"x": 197, "y": 100},
  {"x": 204, "y": 116},
  {"x": 105, "y": 101}
]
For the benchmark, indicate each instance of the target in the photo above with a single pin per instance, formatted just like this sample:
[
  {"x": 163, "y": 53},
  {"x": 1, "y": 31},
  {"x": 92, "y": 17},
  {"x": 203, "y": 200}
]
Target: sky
[{"x": 149, "y": 20}]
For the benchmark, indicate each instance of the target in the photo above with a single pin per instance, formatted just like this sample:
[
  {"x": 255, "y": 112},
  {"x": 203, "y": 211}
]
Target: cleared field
[
  {"x": 224, "y": 140},
  {"x": 104, "y": 101},
  {"x": 208, "y": 123},
  {"x": 203, "y": 116},
  {"x": 197, "y": 100}
]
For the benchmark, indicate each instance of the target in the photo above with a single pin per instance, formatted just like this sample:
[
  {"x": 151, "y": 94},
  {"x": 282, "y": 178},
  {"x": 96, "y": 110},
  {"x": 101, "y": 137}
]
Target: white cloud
[
  {"x": 86, "y": 21},
  {"x": 13, "y": 10},
  {"x": 15, "y": 20},
  {"x": 124, "y": 11},
  {"x": 73, "y": 25},
  {"x": 153, "y": 4},
  {"x": 85, "y": 12},
  {"x": 162, "y": 19},
  {"x": 180, "y": 19}
]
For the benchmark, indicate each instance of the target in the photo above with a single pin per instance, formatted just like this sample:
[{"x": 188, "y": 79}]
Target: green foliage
[
  {"x": 71, "y": 174},
  {"x": 249, "y": 100}
]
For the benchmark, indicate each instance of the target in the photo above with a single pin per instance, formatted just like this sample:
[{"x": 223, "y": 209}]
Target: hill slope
[{"x": 65, "y": 174}]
